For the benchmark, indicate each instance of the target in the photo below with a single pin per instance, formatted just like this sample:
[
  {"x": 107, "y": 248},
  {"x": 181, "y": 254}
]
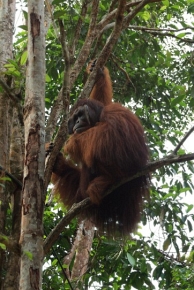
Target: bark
[
  {"x": 7, "y": 14},
  {"x": 31, "y": 237},
  {"x": 83, "y": 250},
  {"x": 16, "y": 169},
  {"x": 80, "y": 251}
]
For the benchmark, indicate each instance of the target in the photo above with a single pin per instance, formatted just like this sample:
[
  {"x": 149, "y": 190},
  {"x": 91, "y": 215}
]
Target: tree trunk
[
  {"x": 7, "y": 16},
  {"x": 16, "y": 168},
  {"x": 31, "y": 238},
  {"x": 80, "y": 251}
]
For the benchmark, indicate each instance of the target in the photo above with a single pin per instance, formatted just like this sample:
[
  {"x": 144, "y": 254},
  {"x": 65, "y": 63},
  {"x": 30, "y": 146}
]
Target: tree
[{"x": 147, "y": 48}]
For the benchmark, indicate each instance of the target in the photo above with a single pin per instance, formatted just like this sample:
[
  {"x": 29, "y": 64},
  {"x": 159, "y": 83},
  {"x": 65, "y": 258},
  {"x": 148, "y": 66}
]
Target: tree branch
[
  {"x": 58, "y": 144},
  {"x": 75, "y": 38},
  {"x": 136, "y": 2},
  {"x": 54, "y": 115},
  {"x": 134, "y": 12},
  {"x": 78, "y": 207},
  {"x": 49, "y": 14},
  {"x": 128, "y": 80},
  {"x": 106, "y": 50},
  {"x": 13, "y": 178},
  {"x": 144, "y": 28},
  {"x": 183, "y": 140},
  {"x": 85, "y": 50},
  {"x": 171, "y": 35}
]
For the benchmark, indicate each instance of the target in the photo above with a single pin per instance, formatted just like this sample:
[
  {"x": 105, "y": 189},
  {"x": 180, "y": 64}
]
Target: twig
[
  {"x": 183, "y": 140},
  {"x": 11, "y": 176},
  {"x": 168, "y": 258},
  {"x": 125, "y": 73},
  {"x": 75, "y": 38},
  {"x": 171, "y": 35},
  {"x": 60, "y": 264},
  {"x": 144, "y": 28}
]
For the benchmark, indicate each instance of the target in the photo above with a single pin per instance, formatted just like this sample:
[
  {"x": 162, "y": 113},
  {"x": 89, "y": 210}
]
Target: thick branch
[
  {"x": 82, "y": 57},
  {"x": 49, "y": 14},
  {"x": 134, "y": 12},
  {"x": 77, "y": 208},
  {"x": 62, "y": 104},
  {"x": 63, "y": 40},
  {"x": 107, "y": 49},
  {"x": 53, "y": 118},
  {"x": 58, "y": 144},
  {"x": 79, "y": 26},
  {"x": 111, "y": 15},
  {"x": 135, "y": 2}
]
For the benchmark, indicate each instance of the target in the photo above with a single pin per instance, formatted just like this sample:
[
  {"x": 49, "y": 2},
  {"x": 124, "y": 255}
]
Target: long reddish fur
[
  {"x": 112, "y": 150},
  {"x": 102, "y": 90}
]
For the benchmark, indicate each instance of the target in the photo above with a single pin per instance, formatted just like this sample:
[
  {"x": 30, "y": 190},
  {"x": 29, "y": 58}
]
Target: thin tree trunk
[
  {"x": 31, "y": 238},
  {"x": 80, "y": 251},
  {"x": 16, "y": 168},
  {"x": 7, "y": 16}
]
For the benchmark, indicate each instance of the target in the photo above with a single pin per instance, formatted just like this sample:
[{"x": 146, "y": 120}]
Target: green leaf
[
  {"x": 58, "y": 14},
  {"x": 47, "y": 78},
  {"x": 24, "y": 57},
  {"x": 165, "y": 2},
  {"x": 29, "y": 255},
  {"x": 145, "y": 15},
  {"x": 24, "y": 27},
  {"x": 158, "y": 272},
  {"x": 166, "y": 244},
  {"x": 5, "y": 178},
  {"x": 54, "y": 262},
  {"x": 189, "y": 207},
  {"x": 2, "y": 246},
  {"x": 192, "y": 103},
  {"x": 189, "y": 226},
  {"x": 190, "y": 8},
  {"x": 131, "y": 259},
  {"x": 14, "y": 63},
  {"x": 181, "y": 35},
  {"x": 177, "y": 100},
  {"x": 163, "y": 8}
]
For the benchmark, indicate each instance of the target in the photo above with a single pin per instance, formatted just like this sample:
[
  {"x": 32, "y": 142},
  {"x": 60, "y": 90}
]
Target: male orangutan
[{"x": 106, "y": 145}]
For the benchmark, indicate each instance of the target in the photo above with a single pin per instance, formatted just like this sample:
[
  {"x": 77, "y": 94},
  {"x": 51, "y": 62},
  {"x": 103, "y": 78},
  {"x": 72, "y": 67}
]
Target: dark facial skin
[{"x": 83, "y": 118}]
